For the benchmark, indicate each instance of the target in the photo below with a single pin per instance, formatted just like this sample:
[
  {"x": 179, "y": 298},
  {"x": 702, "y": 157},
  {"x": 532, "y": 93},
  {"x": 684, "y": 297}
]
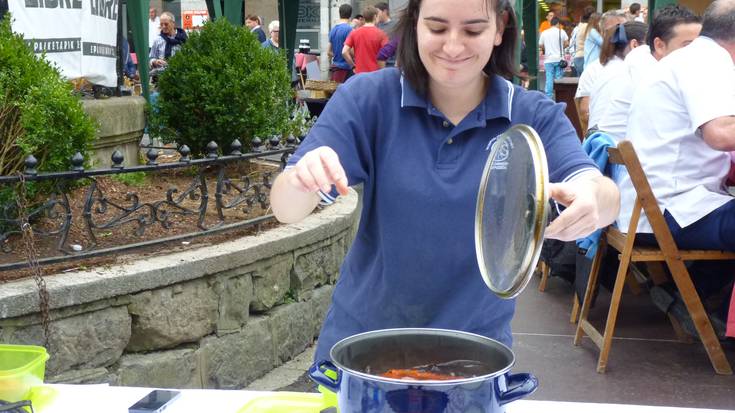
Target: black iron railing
[{"x": 208, "y": 195}]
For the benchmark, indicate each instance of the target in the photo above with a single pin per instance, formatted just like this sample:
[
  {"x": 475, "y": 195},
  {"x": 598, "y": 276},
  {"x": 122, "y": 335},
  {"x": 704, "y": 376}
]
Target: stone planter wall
[
  {"x": 218, "y": 316},
  {"x": 121, "y": 123}
]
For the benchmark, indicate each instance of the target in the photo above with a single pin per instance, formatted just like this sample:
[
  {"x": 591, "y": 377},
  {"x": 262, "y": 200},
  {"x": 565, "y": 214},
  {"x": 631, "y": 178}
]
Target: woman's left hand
[{"x": 591, "y": 203}]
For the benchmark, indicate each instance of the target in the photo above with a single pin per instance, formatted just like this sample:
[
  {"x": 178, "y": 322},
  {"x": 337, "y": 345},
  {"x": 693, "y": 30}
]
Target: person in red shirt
[{"x": 363, "y": 44}]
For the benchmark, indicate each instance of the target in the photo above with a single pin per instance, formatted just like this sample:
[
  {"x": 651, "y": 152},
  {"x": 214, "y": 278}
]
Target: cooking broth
[{"x": 450, "y": 370}]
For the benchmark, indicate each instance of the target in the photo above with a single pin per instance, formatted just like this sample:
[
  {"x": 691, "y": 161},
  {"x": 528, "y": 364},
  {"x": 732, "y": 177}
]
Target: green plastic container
[{"x": 21, "y": 368}]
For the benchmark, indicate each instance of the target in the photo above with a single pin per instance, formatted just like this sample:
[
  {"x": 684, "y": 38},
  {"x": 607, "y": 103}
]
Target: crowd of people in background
[
  {"x": 669, "y": 88},
  {"x": 363, "y": 43}
]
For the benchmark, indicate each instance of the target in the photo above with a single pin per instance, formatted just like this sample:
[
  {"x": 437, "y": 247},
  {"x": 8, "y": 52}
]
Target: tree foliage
[
  {"x": 222, "y": 85},
  {"x": 39, "y": 114}
]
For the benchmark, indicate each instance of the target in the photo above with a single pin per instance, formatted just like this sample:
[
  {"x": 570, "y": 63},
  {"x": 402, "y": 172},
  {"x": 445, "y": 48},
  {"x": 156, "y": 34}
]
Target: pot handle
[
  {"x": 326, "y": 374},
  {"x": 519, "y": 385}
]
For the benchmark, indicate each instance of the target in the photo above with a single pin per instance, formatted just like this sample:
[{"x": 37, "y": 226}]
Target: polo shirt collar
[{"x": 498, "y": 102}]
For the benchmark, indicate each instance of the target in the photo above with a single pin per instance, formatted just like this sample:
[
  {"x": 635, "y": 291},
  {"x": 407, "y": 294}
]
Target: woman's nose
[{"x": 453, "y": 45}]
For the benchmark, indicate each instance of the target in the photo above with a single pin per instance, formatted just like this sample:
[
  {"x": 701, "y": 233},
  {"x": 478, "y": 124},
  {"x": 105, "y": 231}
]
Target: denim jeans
[
  {"x": 553, "y": 71},
  {"x": 579, "y": 65}
]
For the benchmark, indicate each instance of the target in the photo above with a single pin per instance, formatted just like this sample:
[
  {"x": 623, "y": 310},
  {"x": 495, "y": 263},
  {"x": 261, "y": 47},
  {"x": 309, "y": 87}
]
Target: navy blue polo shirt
[{"x": 413, "y": 263}]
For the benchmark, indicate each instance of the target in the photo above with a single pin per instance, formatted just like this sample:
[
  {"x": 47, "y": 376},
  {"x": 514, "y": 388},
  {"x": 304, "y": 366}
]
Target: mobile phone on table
[{"x": 155, "y": 401}]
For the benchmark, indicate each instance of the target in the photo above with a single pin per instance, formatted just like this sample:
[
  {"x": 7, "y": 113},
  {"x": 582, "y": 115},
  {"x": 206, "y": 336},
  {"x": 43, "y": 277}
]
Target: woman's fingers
[
  {"x": 315, "y": 166},
  {"x": 319, "y": 169},
  {"x": 581, "y": 216},
  {"x": 334, "y": 169},
  {"x": 568, "y": 231}
]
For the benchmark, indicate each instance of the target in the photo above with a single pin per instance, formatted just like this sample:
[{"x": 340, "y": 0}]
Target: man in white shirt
[
  {"x": 673, "y": 27},
  {"x": 608, "y": 21},
  {"x": 552, "y": 43},
  {"x": 154, "y": 26},
  {"x": 682, "y": 123}
]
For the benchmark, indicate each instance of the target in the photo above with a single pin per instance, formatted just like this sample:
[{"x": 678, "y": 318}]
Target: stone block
[
  {"x": 340, "y": 246},
  {"x": 167, "y": 317},
  {"x": 121, "y": 122},
  {"x": 320, "y": 302},
  {"x": 176, "y": 369},
  {"x": 234, "y": 360},
  {"x": 85, "y": 376},
  {"x": 86, "y": 341},
  {"x": 271, "y": 281},
  {"x": 313, "y": 266},
  {"x": 292, "y": 327},
  {"x": 235, "y": 295}
]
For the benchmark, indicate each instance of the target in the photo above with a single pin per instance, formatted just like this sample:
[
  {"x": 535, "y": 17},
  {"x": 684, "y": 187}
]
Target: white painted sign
[{"x": 79, "y": 37}]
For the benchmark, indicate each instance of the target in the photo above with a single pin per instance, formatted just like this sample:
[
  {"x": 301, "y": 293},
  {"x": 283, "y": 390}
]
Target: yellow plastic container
[{"x": 21, "y": 368}]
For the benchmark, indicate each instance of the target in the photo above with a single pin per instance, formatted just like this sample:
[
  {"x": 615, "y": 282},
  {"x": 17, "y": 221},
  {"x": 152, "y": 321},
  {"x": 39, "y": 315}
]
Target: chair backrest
[{"x": 625, "y": 155}]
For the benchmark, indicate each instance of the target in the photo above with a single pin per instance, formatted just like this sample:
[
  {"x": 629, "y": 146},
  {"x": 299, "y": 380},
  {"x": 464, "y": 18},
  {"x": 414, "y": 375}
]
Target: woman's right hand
[{"x": 319, "y": 169}]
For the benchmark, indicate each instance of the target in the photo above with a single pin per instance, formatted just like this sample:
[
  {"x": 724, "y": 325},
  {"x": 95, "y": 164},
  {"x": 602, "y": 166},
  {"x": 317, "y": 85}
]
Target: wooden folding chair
[
  {"x": 543, "y": 269},
  {"x": 629, "y": 252}
]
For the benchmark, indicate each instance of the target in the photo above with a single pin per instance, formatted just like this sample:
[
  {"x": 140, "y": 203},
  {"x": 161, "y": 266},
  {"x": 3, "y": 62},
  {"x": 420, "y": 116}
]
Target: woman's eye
[
  {"x": 473, "y": 33},
  {"x": 437, "y": 31}
]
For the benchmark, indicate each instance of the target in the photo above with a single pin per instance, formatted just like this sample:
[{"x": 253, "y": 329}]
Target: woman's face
[{"x": 455, "y": 42}]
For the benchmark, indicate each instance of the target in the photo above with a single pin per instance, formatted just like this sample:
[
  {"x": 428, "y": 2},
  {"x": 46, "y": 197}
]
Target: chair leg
[
  {"x": 589, "y": 292},
  {"x": 544, "y": 276},
  {"x": 612, "y": 314},
  {"x": 699, "y": 316},
  {"x": 575, "y": 310}
]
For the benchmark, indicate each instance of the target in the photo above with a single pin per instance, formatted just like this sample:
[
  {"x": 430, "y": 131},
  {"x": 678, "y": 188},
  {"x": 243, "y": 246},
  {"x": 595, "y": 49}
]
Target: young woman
[
  {"x": 417, "y": 139},
  {"x": 592, "y": 39},
  {"x": 616, "y": 46}
]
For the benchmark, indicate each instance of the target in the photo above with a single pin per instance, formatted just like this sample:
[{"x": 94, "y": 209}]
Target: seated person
[
  {"x": 592, "y": 69},
  {"x": 167, "y": 43},
  {"x": 625, "y": 38},
  {"x": 673, "y": 27},
  {"x": 682, "y": 125}
]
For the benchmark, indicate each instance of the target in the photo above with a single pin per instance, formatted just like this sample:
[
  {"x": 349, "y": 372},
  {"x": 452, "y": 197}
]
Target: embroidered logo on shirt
[{"x": 501, "y": 158}]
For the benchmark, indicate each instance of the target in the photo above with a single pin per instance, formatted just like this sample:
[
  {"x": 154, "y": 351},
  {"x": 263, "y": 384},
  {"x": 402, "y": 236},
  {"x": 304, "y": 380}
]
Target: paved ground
[{"x": 646, "y": 366}]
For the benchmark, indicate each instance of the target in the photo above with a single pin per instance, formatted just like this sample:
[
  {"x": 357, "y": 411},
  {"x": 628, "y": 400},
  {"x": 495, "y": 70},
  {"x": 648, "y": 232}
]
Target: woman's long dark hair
[
  {"x": 502, "y": 60},
  {"x": 593, "y": 23}
]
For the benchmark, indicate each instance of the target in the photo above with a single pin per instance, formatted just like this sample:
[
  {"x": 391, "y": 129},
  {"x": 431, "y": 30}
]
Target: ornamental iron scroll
[{"x": 54, "y": 215}]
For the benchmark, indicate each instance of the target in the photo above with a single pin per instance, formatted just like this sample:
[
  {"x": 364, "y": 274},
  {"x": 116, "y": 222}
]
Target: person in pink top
[{"x": 363, "y": 44}]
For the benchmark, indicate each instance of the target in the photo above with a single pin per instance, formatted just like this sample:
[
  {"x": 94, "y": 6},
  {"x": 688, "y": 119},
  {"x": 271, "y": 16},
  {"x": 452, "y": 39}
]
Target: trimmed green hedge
[
  {"x": 39, "y": 114},
  {"x": 222, "y": 85}
]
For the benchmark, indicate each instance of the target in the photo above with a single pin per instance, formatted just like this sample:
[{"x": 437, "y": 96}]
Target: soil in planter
[{"x": 150, "y": 189}]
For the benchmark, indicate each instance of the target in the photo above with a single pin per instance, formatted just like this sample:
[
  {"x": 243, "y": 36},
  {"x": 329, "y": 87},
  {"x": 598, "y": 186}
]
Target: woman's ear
[{"x": 633, "y": 44}]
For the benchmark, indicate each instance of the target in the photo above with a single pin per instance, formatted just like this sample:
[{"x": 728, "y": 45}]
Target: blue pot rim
[{"x": 433, "y": 383}]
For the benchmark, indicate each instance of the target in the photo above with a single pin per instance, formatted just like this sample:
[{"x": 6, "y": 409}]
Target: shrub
[
  {"x": 222, "y": 85},
  {"x": 39, "y": 114}
]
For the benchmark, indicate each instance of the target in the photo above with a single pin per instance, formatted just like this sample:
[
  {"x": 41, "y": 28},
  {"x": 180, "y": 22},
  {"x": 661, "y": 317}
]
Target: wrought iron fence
[{"x": 53, "y": 216}]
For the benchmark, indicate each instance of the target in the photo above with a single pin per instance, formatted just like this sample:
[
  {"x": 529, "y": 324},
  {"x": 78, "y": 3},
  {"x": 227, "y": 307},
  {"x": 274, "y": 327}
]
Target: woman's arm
[{"x": 583, "y": 108}]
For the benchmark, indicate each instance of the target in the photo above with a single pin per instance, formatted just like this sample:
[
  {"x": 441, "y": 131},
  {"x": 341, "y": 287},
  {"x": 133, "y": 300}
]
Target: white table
[{"x": 112, "y": 399}]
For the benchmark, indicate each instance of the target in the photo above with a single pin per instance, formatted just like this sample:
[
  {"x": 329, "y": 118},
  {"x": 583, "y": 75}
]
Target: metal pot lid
[{"x": 512, "y": 210}]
